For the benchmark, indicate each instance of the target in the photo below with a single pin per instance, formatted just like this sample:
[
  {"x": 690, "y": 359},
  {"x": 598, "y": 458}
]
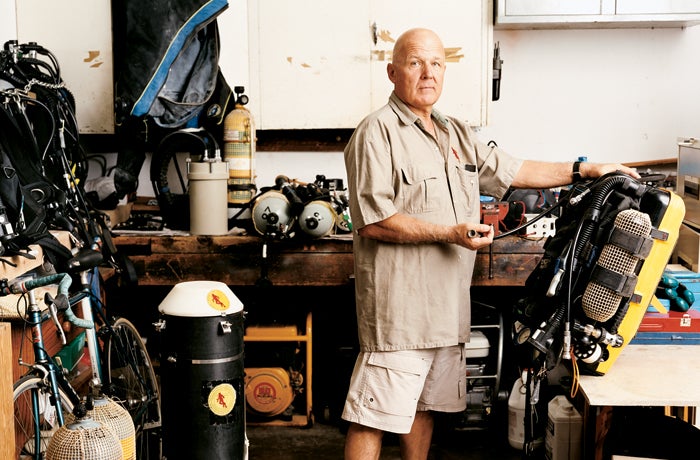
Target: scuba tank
[{"x": 239, "y": 151}]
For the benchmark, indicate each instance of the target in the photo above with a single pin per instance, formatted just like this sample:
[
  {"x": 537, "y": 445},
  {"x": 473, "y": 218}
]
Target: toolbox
[{"x": 673, "y": 327}]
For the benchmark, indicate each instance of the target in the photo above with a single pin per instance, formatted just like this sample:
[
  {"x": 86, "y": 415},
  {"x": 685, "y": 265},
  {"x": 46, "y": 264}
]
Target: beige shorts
[{"x": 388, "y": 387}]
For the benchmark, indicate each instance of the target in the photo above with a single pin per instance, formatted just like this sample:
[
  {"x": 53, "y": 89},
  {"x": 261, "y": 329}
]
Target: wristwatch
[{"x": 576, "y": 173}]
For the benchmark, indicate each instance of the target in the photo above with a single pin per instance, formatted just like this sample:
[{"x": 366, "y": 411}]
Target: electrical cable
[{"x": 575, "y": 375}]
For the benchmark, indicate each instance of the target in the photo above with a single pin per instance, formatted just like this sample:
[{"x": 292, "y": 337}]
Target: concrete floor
[{"x": 326, "y": 442}]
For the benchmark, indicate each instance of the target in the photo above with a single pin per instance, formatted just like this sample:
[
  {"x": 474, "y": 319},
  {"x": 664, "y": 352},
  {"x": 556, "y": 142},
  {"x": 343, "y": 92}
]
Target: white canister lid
[{"x": 200, "y": 299}]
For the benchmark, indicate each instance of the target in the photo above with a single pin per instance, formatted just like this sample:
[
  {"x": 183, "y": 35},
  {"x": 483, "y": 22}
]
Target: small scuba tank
[
  {"x": 114, "y": 417},
  {"x": 84, "y": 439},
  {"x": 239, "y": 151}
]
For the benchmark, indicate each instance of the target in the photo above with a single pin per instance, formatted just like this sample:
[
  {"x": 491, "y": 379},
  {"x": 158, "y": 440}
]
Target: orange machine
[{"x": 270, "y": 391}]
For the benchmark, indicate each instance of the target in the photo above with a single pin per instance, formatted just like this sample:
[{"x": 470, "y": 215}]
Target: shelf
[{"x": 286, "y": 333}]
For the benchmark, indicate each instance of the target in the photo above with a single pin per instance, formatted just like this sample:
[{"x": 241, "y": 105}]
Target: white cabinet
[
  {"x": 536, "y": 14},
  {"x": 657, "y": 7},
  {"x": 321, "y": 64},
  {"x": 527, "y": 8},
  {"x": 82, "y": 45}
]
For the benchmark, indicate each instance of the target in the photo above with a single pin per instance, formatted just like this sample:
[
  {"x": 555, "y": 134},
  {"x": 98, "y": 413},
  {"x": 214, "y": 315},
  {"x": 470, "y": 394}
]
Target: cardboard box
[{"x": 687, "y": 251}]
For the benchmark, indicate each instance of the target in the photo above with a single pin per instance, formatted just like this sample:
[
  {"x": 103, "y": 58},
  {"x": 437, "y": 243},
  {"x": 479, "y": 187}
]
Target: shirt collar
[{"x": 407, "y": 117}]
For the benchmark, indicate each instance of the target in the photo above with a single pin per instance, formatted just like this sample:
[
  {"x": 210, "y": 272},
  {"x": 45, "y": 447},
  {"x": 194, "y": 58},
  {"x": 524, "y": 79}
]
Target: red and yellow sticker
[
  {"x": 221, "y": 399},
  {"x": 218, "y": 300}
]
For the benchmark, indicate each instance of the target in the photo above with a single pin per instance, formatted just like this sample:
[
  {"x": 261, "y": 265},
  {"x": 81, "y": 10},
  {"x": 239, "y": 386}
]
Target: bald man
[{"x": 415, "y": 177}]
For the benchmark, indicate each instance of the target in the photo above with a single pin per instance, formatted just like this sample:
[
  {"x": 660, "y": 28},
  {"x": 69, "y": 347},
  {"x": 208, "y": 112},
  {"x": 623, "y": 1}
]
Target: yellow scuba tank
[{"x": 239, "y": 151}]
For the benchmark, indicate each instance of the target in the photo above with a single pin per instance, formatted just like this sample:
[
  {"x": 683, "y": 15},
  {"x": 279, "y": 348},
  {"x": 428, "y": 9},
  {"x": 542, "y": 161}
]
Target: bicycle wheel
[
  {"x": 26, "y": 390},
  {"x": 132, "y": 382}
]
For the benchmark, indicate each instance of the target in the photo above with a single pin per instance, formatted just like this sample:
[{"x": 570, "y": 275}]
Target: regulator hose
[{"x": 601, "y": 192}]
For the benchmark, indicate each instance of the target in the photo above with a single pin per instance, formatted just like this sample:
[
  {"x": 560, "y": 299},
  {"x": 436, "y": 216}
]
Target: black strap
[
  {"x": 637, "y": 245},
  {"x": 617, "y": 282},
  {"x": 576, "y": 173}
]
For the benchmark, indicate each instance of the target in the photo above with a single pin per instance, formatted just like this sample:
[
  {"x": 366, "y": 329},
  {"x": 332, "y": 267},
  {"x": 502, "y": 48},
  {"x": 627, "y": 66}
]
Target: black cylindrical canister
[{"x": 202, "y": 395}]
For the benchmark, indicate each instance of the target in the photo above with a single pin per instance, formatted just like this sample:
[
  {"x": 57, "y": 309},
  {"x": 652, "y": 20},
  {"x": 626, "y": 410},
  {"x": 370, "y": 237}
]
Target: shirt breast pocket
[
  {"x": 422, "y": 190},
  {"x": 469, "y": 184}
]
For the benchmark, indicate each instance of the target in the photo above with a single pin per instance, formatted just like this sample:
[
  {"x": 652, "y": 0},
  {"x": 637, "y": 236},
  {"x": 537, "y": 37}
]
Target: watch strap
[{"x": 576, "y": 171}]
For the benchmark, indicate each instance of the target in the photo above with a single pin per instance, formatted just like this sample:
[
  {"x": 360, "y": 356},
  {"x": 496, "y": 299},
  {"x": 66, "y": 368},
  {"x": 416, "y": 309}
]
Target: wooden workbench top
[{"x": 238, "y": 260}]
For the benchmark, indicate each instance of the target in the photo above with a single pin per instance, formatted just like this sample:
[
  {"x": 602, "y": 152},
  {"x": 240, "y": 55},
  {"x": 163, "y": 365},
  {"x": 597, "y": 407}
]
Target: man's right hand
[{"x": 473, "y": 236}]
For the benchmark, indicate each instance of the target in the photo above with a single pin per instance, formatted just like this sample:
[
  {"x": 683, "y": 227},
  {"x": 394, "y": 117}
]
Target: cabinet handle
[{"x": 374, "y": 33}]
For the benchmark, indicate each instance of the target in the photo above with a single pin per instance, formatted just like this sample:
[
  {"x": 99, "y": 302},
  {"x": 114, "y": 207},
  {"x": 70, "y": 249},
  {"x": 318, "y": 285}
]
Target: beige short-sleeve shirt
[{"x": 417, "y": 295}]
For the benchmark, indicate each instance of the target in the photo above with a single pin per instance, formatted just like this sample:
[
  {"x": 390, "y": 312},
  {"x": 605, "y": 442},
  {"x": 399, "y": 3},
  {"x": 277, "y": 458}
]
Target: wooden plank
[
  {"x": 510, "y": 270},
  {"x": 7, "y": 425},
  {"x": 237, "y": 260},
  {"x": 292, "y": 269},
  {"x": 302, "y": 140},
  {"x": 649, "y": 163},
  {"x": 146, "y": 245},
  {"x": 515, "y": 245}
]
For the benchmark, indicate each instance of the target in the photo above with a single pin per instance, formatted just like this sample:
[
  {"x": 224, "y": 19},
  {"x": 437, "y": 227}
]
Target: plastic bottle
[
  {"x": 564, "y": 427},
  {"x": 516, "y": 414},
  {"x": 239, "y": 151}
]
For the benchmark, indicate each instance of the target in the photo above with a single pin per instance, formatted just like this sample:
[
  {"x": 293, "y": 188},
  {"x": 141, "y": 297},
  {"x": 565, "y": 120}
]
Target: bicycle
[{"x": 121, "y": 368}]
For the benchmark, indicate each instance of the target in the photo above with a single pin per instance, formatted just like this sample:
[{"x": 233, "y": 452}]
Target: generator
[{"x": 278, "y": 388}]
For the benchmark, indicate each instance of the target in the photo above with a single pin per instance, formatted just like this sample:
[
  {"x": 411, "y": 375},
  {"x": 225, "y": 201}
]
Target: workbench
[
  {"x": 643, "y": 375},
  {"x": 238, "y": 260},
  {"x": 303, "y": 276}
]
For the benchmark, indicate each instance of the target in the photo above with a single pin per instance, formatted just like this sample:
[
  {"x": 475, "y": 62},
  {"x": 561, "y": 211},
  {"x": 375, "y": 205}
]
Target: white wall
[
  {"x": 8, "y": 28},
  {"x": 621, "y": 94}
]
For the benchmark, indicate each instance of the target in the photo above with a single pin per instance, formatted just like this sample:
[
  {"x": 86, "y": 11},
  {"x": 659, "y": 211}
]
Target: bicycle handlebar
[{"x": 21, "y": 286}]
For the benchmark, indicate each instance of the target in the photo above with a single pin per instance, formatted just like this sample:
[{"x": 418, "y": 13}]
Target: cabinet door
[
  {"x": 322, "y": 64},
  {"x": 309, "y": 63},
  {"x": 551, "y": 7},
  {"x": 657, "y": 6},
  {"x": 83, "y": 48},
  {"x": 535, "y": 14},
  {"x": 465, "y": 32}
]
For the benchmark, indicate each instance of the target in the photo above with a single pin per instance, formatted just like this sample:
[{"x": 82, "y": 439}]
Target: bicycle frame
[
  {"x": 89, "y": 281},
  {"x": 44, "y": 364}
]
